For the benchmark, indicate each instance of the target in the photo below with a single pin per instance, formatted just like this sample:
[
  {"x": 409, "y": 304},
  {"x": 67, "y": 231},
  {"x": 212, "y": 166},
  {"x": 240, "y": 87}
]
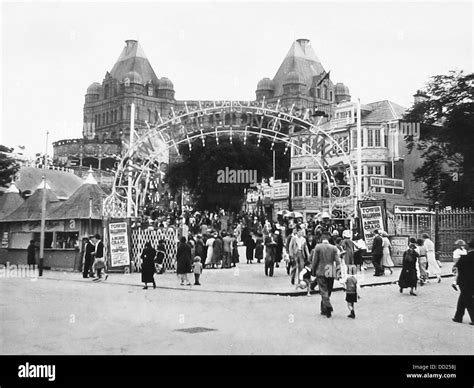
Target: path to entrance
[{"x": 245, "y": 278}]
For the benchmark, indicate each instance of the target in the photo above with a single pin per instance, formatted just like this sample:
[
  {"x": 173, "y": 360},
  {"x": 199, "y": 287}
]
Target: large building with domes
[{"x": 300, "y": 81}]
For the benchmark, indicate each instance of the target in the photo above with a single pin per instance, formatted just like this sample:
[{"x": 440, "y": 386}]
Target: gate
[
  {"x": 141, "y": 236},
  {"x": 453, "y": 224}
]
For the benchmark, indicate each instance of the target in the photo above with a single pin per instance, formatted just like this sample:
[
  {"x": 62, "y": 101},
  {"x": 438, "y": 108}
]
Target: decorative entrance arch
[{"x": 203, "y": 119}]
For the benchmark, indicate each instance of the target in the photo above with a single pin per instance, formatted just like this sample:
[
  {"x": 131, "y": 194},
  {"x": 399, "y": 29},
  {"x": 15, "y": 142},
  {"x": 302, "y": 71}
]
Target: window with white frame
[
  {"x": 370, "y": 138},
  {"x": 377, "y": 138},
  {"x": 297, "y": 184}
]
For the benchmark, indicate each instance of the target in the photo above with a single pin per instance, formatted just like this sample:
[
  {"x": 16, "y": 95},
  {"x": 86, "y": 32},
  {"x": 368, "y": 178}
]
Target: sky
[{"x": 52, "y": 51}]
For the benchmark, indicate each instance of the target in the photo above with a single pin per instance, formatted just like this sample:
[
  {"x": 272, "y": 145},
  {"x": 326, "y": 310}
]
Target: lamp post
[
  {"x": 436, "y": 206},
  {"x": 43, "y": 211}
]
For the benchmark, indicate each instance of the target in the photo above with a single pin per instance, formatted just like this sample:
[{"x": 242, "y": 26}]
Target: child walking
[
  {"x": 197, "y": 269},
  {"x": 352, "y": 287}
]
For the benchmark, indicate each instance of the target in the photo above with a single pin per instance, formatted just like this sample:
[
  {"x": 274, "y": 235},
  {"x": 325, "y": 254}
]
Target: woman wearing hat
[{"x": 408, "y": 277}]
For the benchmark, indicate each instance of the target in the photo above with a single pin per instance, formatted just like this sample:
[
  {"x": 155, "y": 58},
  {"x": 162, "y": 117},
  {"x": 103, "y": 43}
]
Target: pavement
[
  {"x": 235, "y": 312},
  {"x": 245, "y": 278},
  {"x": 63, "y": 316}
]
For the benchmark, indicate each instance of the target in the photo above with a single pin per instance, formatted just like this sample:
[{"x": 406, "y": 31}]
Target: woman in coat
[
  {"x": 249, "y": 248},
  {"x": 235, "y": 251},
  {"x": 183, "y": 261},
  {"x": 386, "y": 258},
  {"x": 148, "y": 265},
  {"x": 408, "y": 277},
  {"x": 259, "y": 248},
  {"x": 217, "y": 250}
]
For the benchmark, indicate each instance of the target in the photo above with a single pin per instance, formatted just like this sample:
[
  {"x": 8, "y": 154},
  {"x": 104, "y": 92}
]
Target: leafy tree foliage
[
  {"x": 199, "y": 170},
  {"x": 447, "y": 139},
  {"x": 8, "y": 166}
]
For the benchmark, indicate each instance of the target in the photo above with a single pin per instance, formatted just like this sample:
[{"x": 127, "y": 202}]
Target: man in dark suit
[
  {"x": 326, "y": 265},
  {"x": 377, "y": 253},
  {"x": 99, "y": 260},
  {"x": 465, "y": 281},
  {"x": 88, "y": 257}
]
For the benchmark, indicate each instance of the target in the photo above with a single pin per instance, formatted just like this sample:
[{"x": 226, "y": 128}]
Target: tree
[
  {"x": 8, "y": 166},
  {"x": 198, "y": 171},
  {"x": 446, "y": 139}
]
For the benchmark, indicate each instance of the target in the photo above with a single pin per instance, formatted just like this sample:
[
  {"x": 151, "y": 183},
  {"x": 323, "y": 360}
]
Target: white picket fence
[{"x": 141, "y": 236}]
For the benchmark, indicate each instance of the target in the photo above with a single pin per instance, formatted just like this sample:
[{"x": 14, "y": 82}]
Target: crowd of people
[{"x": 314, "y": 254}]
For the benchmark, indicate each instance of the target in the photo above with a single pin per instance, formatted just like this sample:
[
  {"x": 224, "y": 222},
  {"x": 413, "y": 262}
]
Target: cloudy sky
[{"x": 52, "y": 51}]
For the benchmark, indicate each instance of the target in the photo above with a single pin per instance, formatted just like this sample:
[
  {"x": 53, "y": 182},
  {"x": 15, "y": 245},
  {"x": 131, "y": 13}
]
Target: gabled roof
[
  {"x": 302, "y": 59},
  {"x": 30, "y": 210},
  {"x": 133, "y": 59},
  {"x": 9, "y": 202},
  {"x": 384, "y": 111},
  {"x": 78, "y": 205},
  {"x": 62, "y": 183}
]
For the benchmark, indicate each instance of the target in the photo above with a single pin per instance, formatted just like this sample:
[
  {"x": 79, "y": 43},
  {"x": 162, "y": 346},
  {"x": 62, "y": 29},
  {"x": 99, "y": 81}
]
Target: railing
[{"x": 453, "y": 224}]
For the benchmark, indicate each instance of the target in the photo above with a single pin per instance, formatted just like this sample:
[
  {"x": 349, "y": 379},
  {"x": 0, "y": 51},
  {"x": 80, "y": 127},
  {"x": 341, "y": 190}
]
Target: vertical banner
[
  {"x": 119, "y": 244},
  {"x": 373, "y": 216}
]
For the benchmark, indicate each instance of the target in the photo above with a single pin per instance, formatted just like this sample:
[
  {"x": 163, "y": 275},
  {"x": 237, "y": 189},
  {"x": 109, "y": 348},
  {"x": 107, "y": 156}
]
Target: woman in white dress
[
  {"x": 210, "y": 250},
  {"x": 433, "y": 267},
  {"x": 386, "y": 258}
]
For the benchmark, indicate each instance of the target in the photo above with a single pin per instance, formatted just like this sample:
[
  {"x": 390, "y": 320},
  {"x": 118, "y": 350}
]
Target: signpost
[
  {"x": 399, "y": 246},
  {"x": 387, "y": 183},
  {"x": 119, "y": 247},
  {"x": 373, "y": 216}
]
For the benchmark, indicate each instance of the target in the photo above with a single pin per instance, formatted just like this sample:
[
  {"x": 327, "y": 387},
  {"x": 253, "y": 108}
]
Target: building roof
[
  {"x": 62, "y": 183},
  {"x": 384, "y": 111},
  {"x": 133, "y": 58},
  {"x": 30, "y": 210},
  {"x": 302, "y": 59},
  {"x": 78, "y": 205},
  {"x": 9, "y": 202}
]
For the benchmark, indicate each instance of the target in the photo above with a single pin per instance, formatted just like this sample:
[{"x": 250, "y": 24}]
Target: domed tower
[
  {"x": 165, "y": 88},
  {"x": 293, "y": 84},
  {"x": 265, "y": 88},
  {"x": 93, "y": 92},
  {"x": 342, "y": 93}
]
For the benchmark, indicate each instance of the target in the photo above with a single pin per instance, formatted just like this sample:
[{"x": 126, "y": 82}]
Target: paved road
[{"x": 61, "y": 315}]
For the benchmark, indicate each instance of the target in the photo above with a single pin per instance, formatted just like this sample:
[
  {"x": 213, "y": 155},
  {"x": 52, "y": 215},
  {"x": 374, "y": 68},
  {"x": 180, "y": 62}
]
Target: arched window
[
  {"x": 156, "y": 116},
  {"x": 128, "y": 112},
  {"x": 149, "y": 115},
  {"x": 325, "y": 92},
  {"x": 318, "y": 92},
  {"x": 121, "y": 113}
]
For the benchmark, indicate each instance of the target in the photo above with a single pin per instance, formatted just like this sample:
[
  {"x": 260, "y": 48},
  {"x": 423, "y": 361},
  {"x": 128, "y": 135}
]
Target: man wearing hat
[
  {"x": 377, "y": 253},
  {"x": 465, "y": 281},
  {"x": 88, "y": 259}
]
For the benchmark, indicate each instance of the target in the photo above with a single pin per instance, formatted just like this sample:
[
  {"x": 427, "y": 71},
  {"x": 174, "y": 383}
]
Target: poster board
[
  {"x": 119, "y": 243},
  {"x": 399, "y": 246},
  {"x": 373, "y": 216}
]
